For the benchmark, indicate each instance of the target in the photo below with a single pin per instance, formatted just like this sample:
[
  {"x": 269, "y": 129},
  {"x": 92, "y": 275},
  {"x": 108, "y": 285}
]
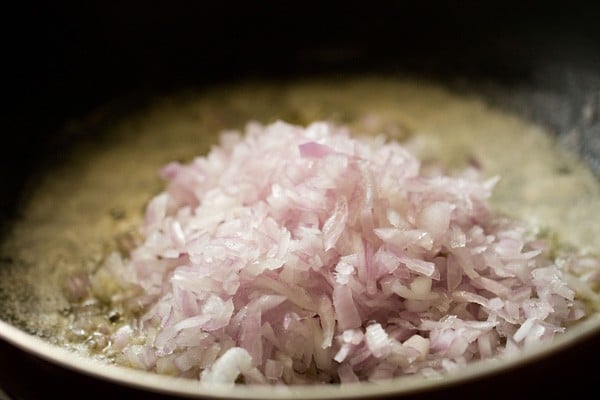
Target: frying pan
[{"x": 94, "y": 62}]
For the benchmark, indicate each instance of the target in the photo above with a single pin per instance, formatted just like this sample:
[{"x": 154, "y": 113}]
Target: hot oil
[{"x": 93, "y": 203}]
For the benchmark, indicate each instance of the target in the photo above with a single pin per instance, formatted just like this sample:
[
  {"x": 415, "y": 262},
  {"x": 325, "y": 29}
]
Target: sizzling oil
[{"x": 88, "y": 206}]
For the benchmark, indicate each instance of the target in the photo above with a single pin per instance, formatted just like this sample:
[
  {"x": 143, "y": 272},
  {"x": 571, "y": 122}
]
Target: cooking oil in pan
[{"x": 93, "y": 203}]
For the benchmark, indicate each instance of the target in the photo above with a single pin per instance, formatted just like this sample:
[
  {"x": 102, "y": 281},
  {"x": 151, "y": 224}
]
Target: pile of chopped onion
[{"x": 304, "y": 255}]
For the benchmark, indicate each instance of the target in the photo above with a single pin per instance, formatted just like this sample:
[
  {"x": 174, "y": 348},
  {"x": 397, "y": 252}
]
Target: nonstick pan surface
[{"x": 95, "y": 63}]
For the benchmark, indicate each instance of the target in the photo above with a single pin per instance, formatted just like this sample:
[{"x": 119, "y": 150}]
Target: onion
[{"x": 303, "y": 255}]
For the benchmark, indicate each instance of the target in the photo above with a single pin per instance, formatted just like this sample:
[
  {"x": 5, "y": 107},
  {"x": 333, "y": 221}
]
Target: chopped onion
[{"x": 303, "y": 255}]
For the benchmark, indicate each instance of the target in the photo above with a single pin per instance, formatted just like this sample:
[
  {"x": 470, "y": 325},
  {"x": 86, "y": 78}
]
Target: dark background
[
  {"x": 63, "y": 61},
  {"x": 65, "y": 58}
]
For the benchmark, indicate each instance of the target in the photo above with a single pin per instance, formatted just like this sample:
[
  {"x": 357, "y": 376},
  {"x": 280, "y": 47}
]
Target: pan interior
[{"x": 88, "y": 205}]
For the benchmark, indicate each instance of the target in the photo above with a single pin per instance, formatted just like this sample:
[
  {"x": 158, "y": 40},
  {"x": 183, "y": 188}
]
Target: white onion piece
[
  {"x": 228, "y": 367},
  {"x": 418, "y": 343}
]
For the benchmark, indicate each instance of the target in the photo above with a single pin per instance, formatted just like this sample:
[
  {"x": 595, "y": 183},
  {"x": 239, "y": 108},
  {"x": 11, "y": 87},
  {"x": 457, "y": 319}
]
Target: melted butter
[{"x": 77, "y": 210}]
